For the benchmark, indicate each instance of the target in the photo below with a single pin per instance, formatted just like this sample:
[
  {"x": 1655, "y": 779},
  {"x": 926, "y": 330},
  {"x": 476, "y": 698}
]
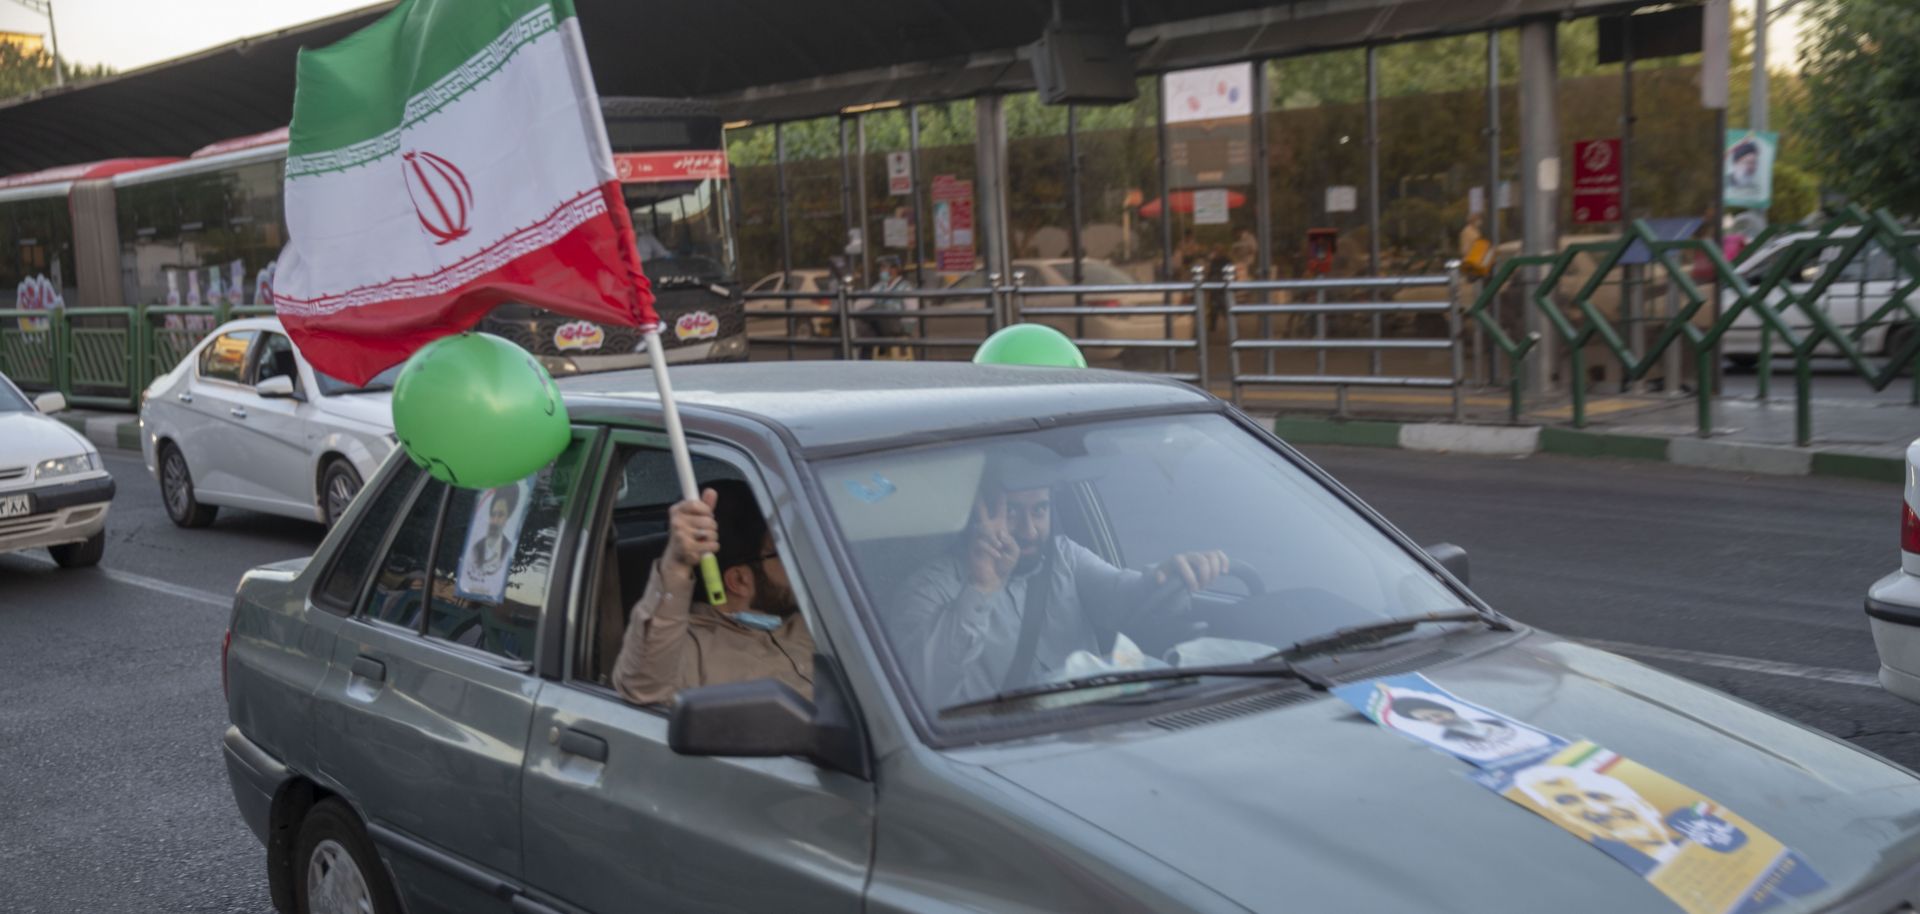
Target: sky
[{"x": 133, "y": 33}]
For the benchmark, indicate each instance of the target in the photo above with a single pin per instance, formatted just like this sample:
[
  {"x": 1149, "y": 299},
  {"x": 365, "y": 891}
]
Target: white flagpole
[{"x": 682, "y": 460}]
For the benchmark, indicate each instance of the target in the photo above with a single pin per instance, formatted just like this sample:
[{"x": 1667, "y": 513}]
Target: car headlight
[{"x": 66, "y": 466}]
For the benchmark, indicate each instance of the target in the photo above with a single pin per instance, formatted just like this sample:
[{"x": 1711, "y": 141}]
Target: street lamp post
[{"x": 45, "y": 7}]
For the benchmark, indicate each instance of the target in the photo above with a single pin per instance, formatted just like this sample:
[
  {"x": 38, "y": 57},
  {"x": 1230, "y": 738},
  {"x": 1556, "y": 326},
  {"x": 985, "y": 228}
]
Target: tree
[
  {"x": 23, "y": 71},
  {"x": 1860, "y": 126}
]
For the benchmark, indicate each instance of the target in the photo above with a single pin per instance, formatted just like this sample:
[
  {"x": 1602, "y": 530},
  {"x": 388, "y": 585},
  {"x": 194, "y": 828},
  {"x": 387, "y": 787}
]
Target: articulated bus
[{"x": 207, "y": 230}]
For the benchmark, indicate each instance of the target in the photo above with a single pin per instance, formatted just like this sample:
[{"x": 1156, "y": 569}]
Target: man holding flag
[{"x": 449, "y": 158}]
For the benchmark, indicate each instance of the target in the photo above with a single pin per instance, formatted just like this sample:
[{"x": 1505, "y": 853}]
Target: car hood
[
  {"x": 1311, "y": 807},
  {"x": 27, "y": 438},
  {"x": 375, "y": 409}
]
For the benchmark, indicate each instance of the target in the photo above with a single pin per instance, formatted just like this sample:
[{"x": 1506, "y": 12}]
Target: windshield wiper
[
  {"x": 1357, "y": 635},
  {"x": 1272, "y": 668}
]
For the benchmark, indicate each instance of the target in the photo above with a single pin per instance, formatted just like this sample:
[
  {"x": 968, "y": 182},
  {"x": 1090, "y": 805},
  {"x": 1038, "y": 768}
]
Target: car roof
[{"x": 833, "y": 405}]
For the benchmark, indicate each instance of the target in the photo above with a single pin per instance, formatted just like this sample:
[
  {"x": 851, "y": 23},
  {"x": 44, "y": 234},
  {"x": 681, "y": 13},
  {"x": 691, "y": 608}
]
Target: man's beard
[
  {"x": 769, "y": 597},
  {"x": 1028, "y": 563}
]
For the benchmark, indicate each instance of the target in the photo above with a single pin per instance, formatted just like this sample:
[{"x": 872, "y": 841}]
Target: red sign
[
  {"x": 1596, "y": 181},
  {"x": 953, "y": 223},
  {"x": 688, "y": 165}
]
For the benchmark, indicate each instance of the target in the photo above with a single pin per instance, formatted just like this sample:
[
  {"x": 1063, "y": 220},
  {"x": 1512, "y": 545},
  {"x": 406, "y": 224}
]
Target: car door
[
  {"x": 616, "y": 821},
  {"x": 206, "y": 432},
  {"x": 424, "y": 712},
  {"x": 274, "y": 436}
]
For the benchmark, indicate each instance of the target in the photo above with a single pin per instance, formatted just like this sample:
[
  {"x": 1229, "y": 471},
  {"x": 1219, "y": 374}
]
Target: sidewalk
[
  {"x": 104, "y": 429},
  {"x": 1859, "y": 438}
]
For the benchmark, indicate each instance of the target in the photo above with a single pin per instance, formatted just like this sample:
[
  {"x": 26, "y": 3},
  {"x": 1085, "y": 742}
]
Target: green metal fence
[
  {"x": 1772, "y": 299},
  {"x": 104, "y": 357}
]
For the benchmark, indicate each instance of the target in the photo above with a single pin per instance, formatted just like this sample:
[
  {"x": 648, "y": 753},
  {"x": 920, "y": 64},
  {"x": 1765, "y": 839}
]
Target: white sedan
[
  {"x": 243, "y": 421},
  {"x": 54, "y": 490},
  {"x": 1893, "y": 603}
]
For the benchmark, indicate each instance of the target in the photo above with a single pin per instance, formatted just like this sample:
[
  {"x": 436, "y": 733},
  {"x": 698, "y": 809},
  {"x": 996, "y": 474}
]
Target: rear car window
[
  {"x": 493, "y": 567},
  {"x": 356, "y": 555},
  {"x": 400, "y": 584}
]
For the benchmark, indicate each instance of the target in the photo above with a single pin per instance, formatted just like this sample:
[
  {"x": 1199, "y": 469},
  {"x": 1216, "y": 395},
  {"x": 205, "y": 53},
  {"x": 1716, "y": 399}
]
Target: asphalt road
[{"x": 115, "y": 796}]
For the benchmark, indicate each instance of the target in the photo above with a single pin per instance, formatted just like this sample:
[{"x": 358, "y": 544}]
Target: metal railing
[
  {"x": 1773, "y": 300},
  {"x": 104, "y": 357},
  {"x": 1320, "y": 309}
]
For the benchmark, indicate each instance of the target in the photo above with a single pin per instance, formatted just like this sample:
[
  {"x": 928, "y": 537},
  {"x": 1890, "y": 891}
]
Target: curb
[
  {"x": 122, "y": 432},
  {"x": 1523, "y": 440}
]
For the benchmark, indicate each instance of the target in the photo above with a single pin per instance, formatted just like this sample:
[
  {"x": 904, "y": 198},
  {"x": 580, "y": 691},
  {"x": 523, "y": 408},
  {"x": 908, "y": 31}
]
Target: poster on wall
[
  {"x": 953, "y": 223},
  {"x": 899, "y": 174},
  {"x": 1748, "y": 166},
  {"x": 1596, "y": 181},
  {"x": 1209, "y": 126},
  {"x": 492, "y": 534}
]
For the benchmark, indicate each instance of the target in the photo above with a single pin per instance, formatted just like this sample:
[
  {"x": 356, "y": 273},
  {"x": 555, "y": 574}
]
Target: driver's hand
[
  {"x": 691, "y": 532},
  {"x": 991, "y": 551},
  {"x": 1197, "y": 569}
]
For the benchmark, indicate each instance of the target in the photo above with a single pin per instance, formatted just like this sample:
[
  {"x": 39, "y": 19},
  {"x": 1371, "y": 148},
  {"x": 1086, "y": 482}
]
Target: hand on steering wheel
[
  {"x": 1174, "y": 586},
  {"x": 1195, "y": 569}
]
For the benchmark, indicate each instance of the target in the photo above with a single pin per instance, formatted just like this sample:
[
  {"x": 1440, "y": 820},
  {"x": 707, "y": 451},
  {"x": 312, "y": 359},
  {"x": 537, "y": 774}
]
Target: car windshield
[
  {"x": 331, "y": 386},
  {"x": 951, "y": 544},
  {"x": 10, "y": 400}
]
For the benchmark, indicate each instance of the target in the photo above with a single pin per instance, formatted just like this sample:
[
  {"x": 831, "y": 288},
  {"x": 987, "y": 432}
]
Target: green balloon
[
  {"x": 1029, "y": 344},
  {"x": 477, "y": 411}
]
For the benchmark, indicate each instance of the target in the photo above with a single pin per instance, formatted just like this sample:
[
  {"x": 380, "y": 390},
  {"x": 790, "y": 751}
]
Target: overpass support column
[
  {"x": 990, "y": 154},
  {"x": 1539, "y": 178}
]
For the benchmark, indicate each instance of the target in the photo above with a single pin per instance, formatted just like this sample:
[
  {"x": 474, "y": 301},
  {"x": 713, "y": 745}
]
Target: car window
[
  {"x": 10, "y": 399},
  {"x": 1154, "y": 489},
  {"x": 1102, "y": 273},
  {"x": 495, "y": 559},
  {"x": 401, "y": 580},
  {"x": 331, "y": 386},
  {"x": 766, "y": 284},
  {"x": 358, "y": 550},
  {"x": 225, "y": 357},
  {"x": 273, "y": 357}
]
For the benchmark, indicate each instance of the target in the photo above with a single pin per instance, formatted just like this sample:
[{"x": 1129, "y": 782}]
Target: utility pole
[
  {"x": 45, "y": 8},
  {"x": 1757, "y": 97}
]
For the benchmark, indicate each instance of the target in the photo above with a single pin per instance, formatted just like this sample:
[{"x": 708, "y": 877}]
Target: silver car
[
  {"x": 243, "y": 421},
  {"x": 54, "y": 489},
  {"x": 410, "y": 733}
]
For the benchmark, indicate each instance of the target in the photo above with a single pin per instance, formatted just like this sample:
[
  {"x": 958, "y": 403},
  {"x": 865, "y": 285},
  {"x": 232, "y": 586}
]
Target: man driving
[
  {"x": 1017, "y": 600},
  {"x": 674, "y": 642}
]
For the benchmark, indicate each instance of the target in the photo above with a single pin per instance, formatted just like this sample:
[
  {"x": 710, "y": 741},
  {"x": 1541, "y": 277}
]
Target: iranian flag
[{"x": 441, "y": 161}]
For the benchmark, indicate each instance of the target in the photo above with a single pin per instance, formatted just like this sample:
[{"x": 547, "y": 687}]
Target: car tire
[
  {"x": 339, "y": 483},
  {"x": 336, "y": 869},
  {"x": 176, "y": 491},
  {"x": 1743, "y": 362},
  {"x": 85, "y": 554},
  {"x": 1897, "y": 339}
]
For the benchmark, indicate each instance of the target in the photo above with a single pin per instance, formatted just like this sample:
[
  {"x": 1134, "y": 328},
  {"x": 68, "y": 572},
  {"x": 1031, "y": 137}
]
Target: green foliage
[
  {"x": 1861, "y": 124},
  {"x": 22, "y": 72},
  {"x": 1795, "y": 193}
]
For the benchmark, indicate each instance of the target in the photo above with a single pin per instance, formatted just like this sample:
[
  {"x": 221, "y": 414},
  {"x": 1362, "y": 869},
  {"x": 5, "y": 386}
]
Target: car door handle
[
  {"x": 366, "y": 667},
  {"x": 583, "y": 744},
  {"x": 184, "y": 397},
  {"x": 239, "y": 412}
]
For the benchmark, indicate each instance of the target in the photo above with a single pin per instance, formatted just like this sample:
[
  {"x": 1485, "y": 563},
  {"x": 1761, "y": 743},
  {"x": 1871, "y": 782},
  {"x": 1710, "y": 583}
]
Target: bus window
[{"x": 682, "y": 228}]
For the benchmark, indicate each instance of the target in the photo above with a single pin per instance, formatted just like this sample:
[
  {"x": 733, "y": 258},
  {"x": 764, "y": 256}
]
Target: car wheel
[
  {"x": 338, "y": 870},
  {"x": 176, "y": 490},
  {"x": 1897, "y": 339},
  {"x": 80, "y": 555},
  {"x": 338, "y": 485},
  {"x": 1743, "y": 362}
]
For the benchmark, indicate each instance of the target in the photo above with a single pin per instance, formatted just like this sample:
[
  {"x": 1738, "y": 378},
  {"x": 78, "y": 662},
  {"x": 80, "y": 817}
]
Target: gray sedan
[{"x": 1127, "y": 694}]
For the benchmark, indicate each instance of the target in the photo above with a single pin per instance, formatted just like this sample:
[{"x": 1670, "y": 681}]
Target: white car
[
  {"x": 1893, "y": 603},
  {"x": 243, "y": 421},
  {"x": 1864, "y": 287},
  {"x": 54, "y": 490}
]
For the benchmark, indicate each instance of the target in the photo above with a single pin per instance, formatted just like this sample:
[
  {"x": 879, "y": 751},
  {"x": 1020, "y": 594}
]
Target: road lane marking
[
  {"x": 1742, "y": 664},
  {"x": 156, "y": 585}
]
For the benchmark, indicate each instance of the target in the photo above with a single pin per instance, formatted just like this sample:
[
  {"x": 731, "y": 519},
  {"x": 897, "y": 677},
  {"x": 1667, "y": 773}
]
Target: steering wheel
[{"x": 1175, "y": 585}]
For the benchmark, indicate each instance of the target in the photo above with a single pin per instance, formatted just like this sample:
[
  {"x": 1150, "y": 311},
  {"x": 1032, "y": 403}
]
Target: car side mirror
[
  {"x": 52, "y": 401},
  {"x": 278, "y": 387},
  {"x": 767, "y": 718},
  {"x": 1451, "y": 557}
]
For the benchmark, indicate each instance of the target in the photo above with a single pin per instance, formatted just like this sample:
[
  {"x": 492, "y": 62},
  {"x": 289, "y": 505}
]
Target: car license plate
[{"x": 15, "y": 505}]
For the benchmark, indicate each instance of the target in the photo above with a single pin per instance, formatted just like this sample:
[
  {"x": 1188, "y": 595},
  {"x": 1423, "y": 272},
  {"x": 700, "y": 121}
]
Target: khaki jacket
[{"x": 673, "y": 643}]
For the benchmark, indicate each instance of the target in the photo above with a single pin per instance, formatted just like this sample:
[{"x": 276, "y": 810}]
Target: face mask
[{"x": 757, "y": 621}]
